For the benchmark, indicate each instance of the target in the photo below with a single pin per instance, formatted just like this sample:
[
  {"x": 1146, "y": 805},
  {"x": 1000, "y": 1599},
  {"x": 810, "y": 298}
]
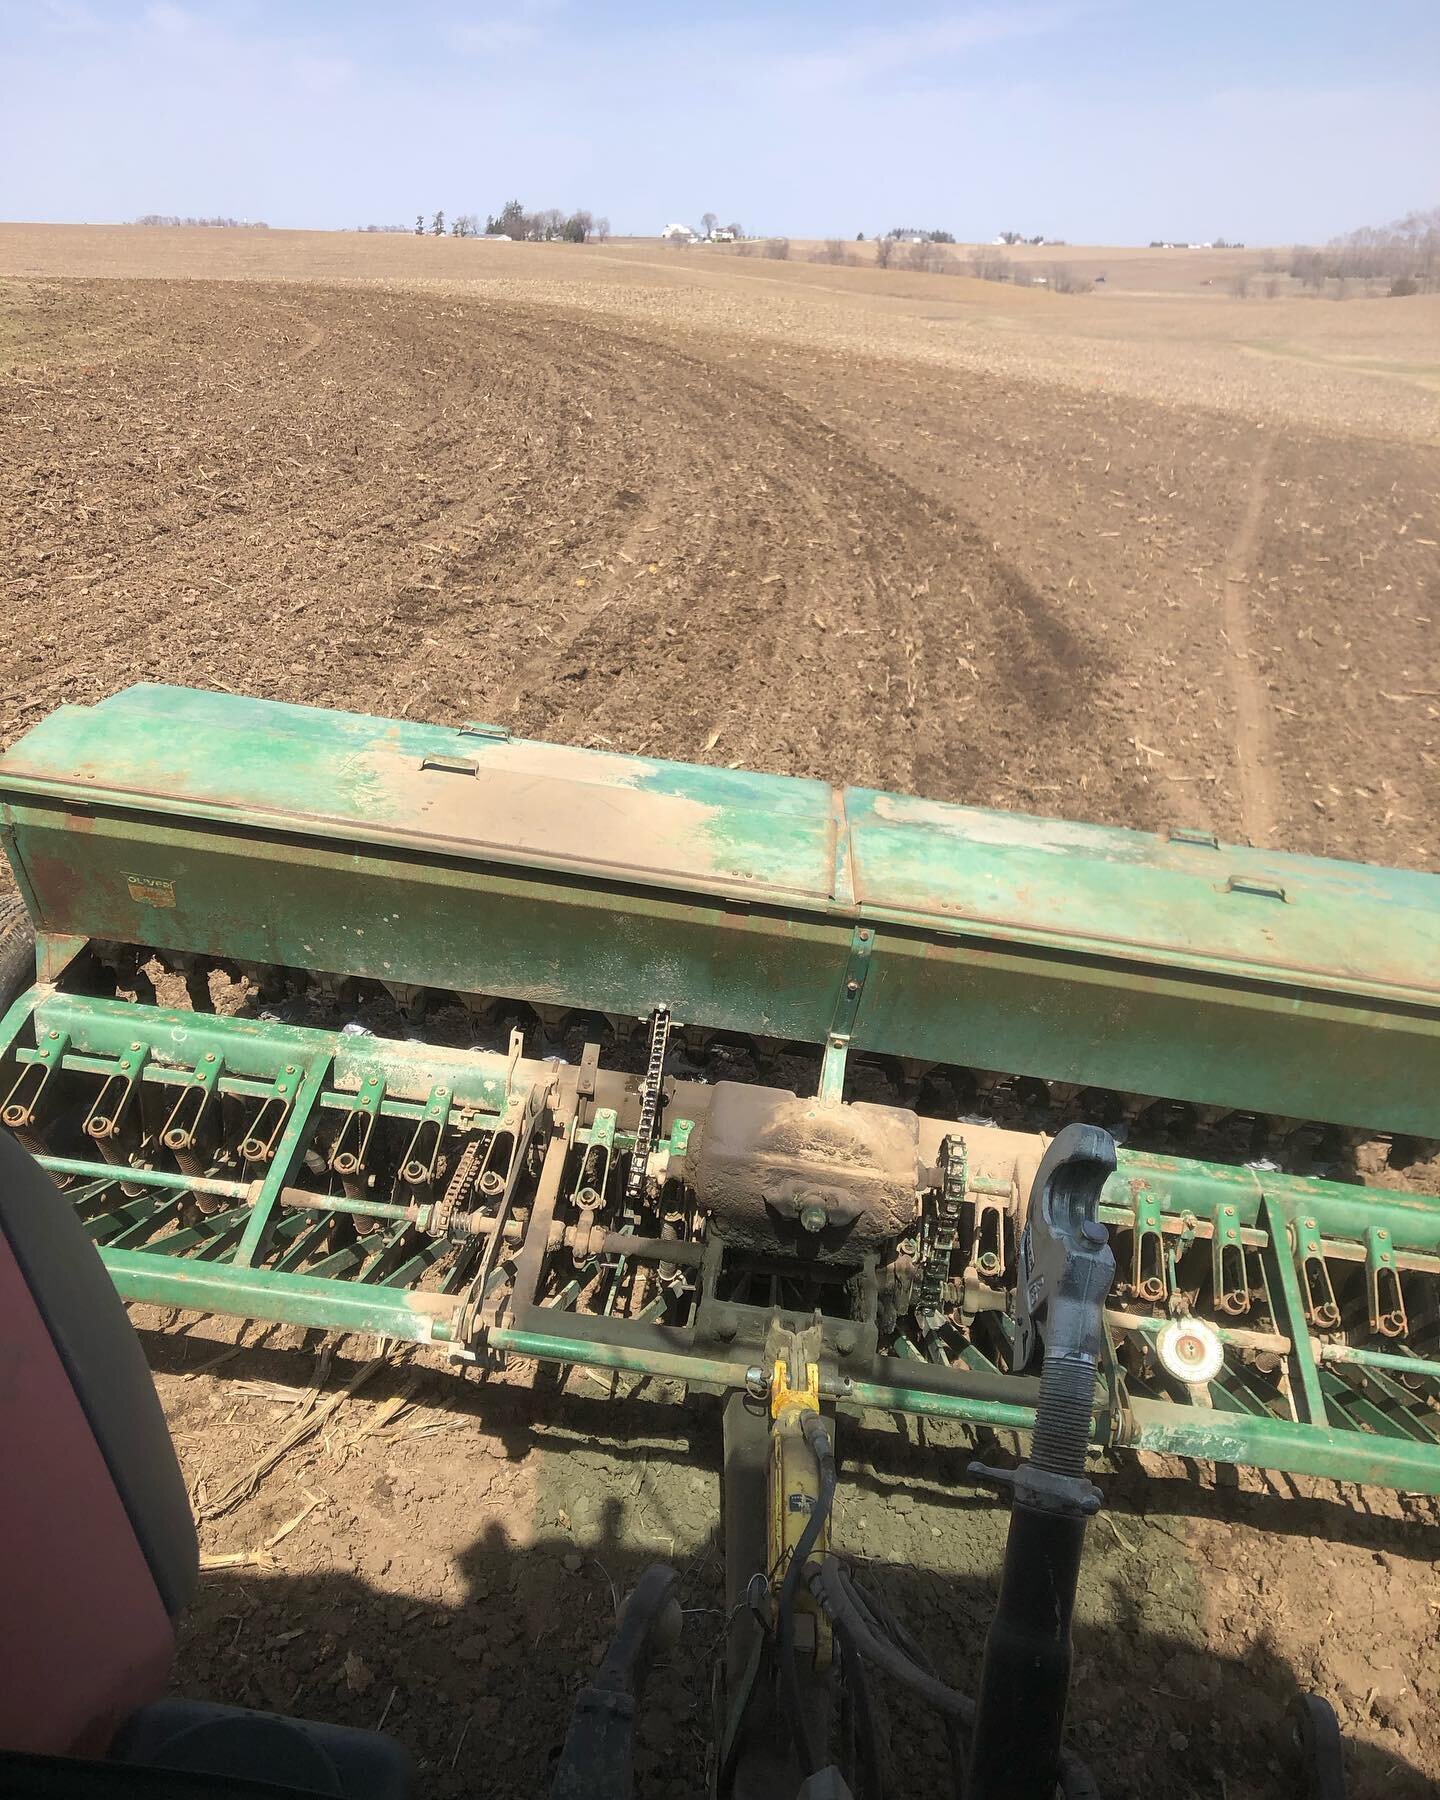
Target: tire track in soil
[{"x": 1254, "y": 738}]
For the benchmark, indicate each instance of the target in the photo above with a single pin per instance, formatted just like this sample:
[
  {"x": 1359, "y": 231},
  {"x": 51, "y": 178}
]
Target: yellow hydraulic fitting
[{"x": 782, "y": 1395}]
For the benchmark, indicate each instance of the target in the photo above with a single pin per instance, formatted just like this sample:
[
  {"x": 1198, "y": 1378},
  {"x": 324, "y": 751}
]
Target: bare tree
[
  {"x": 834, "y": 251},
  {"x": 419, "y": 224},
  {"x": 884, "y": 252},
  {"x": 1408, "y": 250},
  {"x": 437, "y": 225},
  {"x": 1062, "y": 279},
  {"x": 988, "y": 262},
  {"x": 215, "y": 221},
  {"x": 777, "y": 249},
  {"x": 1240, "y": 286},
  {"x": 736, "y": 230},
  {"x": 929, "y": 259},
  {"x": 602, "y": 228},
  {"x": 708, "y": 222},
  {"x": 465, "y": 225}
]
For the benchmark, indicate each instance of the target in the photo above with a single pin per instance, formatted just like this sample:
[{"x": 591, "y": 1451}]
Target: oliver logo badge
[{"x": 151, "y": 891}]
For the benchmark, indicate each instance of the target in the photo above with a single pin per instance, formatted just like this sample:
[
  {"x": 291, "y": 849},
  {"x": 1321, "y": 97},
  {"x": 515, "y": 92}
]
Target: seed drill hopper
[
  {"x": 525, "y": 1051},
  {"x": 807, "y": 1098}
]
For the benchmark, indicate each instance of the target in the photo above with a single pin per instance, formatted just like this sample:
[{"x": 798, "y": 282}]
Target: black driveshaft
[{"x": 1066, "y": 1268}]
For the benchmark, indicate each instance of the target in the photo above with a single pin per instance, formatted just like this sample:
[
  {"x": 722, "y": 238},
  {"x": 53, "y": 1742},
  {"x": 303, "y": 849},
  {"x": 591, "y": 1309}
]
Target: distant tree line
[
  {"x": 550, "y": 225},
  {"x": 546, "y": 227},
  {"x": 1405, "y": 253},
  {"x": 175, "y": 219}
]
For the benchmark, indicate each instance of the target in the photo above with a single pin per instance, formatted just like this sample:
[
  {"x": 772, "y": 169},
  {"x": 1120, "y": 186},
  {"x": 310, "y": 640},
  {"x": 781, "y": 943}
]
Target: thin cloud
[
  {"x": 492, "y": 37},
  {"x": 862, "y": 56},
  {"x": 497, "y": 33},
  {"x": 174, "y": 20}
]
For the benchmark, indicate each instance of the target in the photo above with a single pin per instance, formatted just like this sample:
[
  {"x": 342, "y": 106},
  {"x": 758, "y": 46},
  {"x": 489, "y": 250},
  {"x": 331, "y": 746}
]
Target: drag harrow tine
[
  {"x": 28, "y": 1088},
  {"x": 191, "y": 1110},
  {"x": 1384, "y": 1299},
  {"x": 1230, "y": 1279},
  {"x": 259, "y": 1143},
  {"x": 1148, "y": 1270},
  {"x": 421, "y": 1160},
  {"x": 103, "y": 1121},
  {"x": 1321, "y": 1307}
]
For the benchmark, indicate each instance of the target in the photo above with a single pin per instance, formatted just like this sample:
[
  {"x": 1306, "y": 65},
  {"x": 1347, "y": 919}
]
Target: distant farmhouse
[{"x": 677, "y": 234}]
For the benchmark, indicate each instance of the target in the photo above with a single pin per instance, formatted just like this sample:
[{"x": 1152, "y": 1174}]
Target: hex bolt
[{"x": 852, "y": 987}]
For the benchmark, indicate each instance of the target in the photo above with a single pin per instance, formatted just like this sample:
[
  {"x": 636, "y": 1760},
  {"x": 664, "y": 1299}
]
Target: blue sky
[{"x": 1096, "y": 120}]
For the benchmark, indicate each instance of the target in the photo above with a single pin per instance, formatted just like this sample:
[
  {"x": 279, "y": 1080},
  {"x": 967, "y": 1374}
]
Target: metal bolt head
[
  {"x": 852, "y": 987},
  {"x": 813, "y": 1217},
  {"x": 209, "y": 1056},
  {"x": 845, "y": 1341}
]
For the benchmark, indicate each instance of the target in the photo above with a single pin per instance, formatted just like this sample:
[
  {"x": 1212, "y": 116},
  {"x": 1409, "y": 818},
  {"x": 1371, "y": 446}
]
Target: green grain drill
[{"x": 524, "y": 1051}]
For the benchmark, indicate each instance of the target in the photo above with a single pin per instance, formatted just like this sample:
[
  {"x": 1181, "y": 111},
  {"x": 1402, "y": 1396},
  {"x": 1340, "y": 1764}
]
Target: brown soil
[{"x": 627, "y": 526}]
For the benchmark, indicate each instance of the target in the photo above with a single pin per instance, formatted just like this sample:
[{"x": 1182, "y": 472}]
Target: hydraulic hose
[
  {"x": 818, "y": 1438},
  {"x": 862, "y": 1712},
  {"x": 879, "y": 1617},
  {"x": 828, "y": 1588},
  {"x": 879, "y": 1637}
]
